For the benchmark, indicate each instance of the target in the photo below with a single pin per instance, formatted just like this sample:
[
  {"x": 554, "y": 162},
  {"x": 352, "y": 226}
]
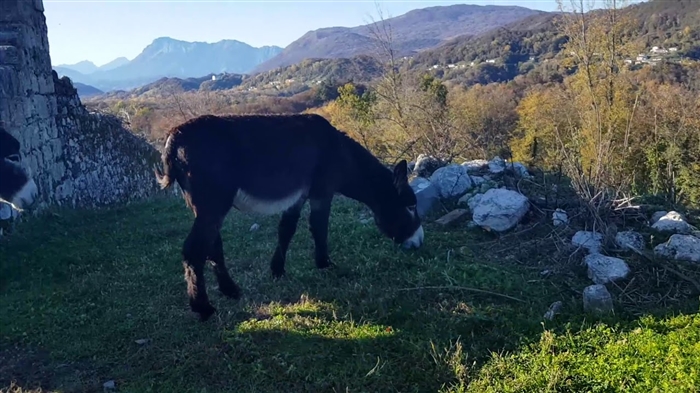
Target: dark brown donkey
[{"x": 273, "y": 164}]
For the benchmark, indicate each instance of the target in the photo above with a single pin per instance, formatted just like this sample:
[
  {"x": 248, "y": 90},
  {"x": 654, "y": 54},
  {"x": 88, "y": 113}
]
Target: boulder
[
  {"x": 499, "y": 209},
  {"x": 603, "y": 269},
  {"x": 426, "y": 195},
  {"x": 426, "y": 165},
  {"x": 672, "y": 222},
  {"x": 559, "y": 217},
  {"x": 521, "y": 170},
  {"x": 497, "y": 165},
  {"x": 630, "y": 240},
  {"x": 591, "y": 241},
  {"x": 451, "y": 181},
  {"x": 680, "y": 247},
  {"x": 474, "y": 166},
  {"x": 597, "y": 299}
]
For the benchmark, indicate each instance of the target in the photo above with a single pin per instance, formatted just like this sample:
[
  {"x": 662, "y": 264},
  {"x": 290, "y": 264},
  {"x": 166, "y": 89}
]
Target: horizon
[{"x": 94, "y": 31}]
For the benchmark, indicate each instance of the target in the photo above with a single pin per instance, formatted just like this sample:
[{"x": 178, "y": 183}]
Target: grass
[{"x": 79, "y": 288}]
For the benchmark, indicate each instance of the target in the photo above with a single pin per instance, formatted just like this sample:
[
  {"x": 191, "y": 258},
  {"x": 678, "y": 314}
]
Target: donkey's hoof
[
  {"x": 205, "y": 311},
  {"x": 325, "y": 264},
  {"x": 230, "y": 290},
  {"x": 278, "y": 273}
]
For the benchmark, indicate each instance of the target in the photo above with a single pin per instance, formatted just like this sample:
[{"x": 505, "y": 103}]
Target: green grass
[{"x": 78, "y": 288}]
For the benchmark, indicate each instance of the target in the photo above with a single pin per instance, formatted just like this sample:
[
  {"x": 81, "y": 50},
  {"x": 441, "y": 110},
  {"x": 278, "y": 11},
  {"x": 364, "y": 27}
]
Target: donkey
[
  {"x": 269, "y": 164},
  {"x": 16, "y": 185}
]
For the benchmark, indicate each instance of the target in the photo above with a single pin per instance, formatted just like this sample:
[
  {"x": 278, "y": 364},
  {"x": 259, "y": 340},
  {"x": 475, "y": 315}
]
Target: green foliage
[
  {"x": 655, "y": 356},
  {"x": 383, "y": 320}
]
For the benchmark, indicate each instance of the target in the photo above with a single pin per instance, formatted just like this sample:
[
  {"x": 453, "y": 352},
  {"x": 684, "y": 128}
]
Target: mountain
[
  {"x": 85, "y": 91},
  {"x": 167, "y": 57},
  {"x": 118, "y": 62},
  {"x": 82, "y": 67},
  {"x": 531, "y": 46},
  {"x": 411, "y": 32}
]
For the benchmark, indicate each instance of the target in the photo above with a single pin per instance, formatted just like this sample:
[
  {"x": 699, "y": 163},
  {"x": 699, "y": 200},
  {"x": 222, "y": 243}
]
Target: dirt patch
[{"x": 26, "y": 370}]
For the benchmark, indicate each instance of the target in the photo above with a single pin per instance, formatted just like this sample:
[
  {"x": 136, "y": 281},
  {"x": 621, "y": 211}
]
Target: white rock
[
  {"x": 426, "y": 165},
  {"x": 680, "y": 247},
  {"x": 672, "y": 222},
  {"x": 554, "y": 309},
  {"x": 655, "y": 217},
  {"x": 426, "y": 195},
  {"x": 500, "y": 209},
  {"x": 559, "y": 217},
  {"x": 630, "y": 240},
  {"x": 451, "y": 181},
  {"x": 591, "y": 241},
  {"x": 477, "y": 180},
  {"x": 254, "y": 227},
  {"x": 597, "y": 299},
  {"x": 497, "y": 165},
  {"x": 521, "y": 170},
  {"x": 603, "y": 269},
  {"x": 475, "y": 165},
  {"x": 473, "y": 201},
  {"x": 5, "y": 211}
]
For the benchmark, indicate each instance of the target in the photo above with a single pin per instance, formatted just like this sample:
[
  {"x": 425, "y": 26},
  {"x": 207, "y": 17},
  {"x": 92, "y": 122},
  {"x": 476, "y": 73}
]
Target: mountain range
[
  {"x": 412, "y": 32},
  {"x": 168, "y": 57}
]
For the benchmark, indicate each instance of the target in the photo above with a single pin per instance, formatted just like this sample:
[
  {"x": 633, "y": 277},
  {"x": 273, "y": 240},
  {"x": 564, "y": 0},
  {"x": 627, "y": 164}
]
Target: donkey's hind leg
[
  {"x": 318, "y": 224},
  {"x": 194, "y": 252},
  {"x": 285, "y": 231},
  {"x": 226, "y": 285}
]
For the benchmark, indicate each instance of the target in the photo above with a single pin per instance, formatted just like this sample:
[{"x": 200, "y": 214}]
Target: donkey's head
[
  {"x": 397, "y": 216},
  {"x": 16, "y": 185}
]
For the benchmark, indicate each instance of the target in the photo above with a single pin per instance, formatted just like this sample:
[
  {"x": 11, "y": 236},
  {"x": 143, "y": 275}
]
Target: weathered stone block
[
  {"x": 9, "y": 55},
  {"x": 451, "y": 217}
]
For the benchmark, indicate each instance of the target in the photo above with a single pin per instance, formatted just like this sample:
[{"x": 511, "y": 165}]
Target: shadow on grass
[{"x": 102, "y": 294}]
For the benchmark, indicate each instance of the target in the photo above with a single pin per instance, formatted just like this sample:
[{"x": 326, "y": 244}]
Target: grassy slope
[{"x": 78, "y": 288}]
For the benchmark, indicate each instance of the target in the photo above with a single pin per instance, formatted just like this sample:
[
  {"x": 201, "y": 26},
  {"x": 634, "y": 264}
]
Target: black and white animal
[
  {"x": 16, "y": 185},
  {"x": 273, "y": 164}
]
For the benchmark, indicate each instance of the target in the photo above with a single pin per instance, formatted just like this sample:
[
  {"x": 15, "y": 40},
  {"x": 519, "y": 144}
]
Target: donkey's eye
[{"x": 13, "y": 158}]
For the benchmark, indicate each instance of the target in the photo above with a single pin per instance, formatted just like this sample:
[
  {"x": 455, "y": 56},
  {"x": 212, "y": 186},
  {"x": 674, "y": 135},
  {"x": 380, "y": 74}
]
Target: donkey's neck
[{"x": 366, "y": 179}]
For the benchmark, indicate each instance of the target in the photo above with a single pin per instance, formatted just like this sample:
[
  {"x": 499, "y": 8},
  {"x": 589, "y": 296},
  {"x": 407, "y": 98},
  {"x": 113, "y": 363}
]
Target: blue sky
[{"x": 102, "y": 30}]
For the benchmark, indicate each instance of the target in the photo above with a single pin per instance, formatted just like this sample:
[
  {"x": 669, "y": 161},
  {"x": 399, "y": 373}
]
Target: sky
[{"x": 102, "y": 30}]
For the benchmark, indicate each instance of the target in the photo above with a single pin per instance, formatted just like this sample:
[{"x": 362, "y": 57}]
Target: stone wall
[{"x": 78, "y": 158}]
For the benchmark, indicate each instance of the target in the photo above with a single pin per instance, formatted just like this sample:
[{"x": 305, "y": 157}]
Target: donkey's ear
[{"x": 401, "y": 172}]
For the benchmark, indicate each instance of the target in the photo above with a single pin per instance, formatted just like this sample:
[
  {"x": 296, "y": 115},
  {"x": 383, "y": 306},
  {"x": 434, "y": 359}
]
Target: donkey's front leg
[
  {"x": 226, "y": 284},
  {"x": 318, "y": 224}
]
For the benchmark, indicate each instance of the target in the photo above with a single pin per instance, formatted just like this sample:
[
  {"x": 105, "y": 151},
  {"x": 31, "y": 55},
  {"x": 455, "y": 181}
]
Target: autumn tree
[{"x": 484, "y": 117}]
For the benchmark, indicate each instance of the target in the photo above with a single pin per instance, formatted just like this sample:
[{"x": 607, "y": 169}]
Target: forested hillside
[{"x": 528, "y": 95}]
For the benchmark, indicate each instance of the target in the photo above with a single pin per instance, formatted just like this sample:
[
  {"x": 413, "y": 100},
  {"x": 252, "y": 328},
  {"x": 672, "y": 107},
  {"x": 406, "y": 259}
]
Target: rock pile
[
  {"x": 475, "y": 184},
  {"x": 477, "y": 187}
]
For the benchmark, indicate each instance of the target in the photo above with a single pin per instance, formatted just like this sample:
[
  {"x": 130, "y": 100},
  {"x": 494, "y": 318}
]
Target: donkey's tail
[{"x": 172, "y": 172}]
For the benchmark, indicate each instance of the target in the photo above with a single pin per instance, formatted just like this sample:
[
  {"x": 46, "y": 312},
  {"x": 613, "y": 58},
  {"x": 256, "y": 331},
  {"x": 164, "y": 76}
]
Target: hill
[
  {"x": 528, "y": 45},
  {"x": 167, "y": 57},
  {"x": 411, "y": 32},
  {"x": 86, "y": 90},
  {"x": 166, "y": 86}
]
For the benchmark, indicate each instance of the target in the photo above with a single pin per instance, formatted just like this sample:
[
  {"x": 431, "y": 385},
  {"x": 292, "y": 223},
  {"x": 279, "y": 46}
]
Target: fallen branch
[
  {"x": 680, "y": 275},
  {"x": 469, "y": 289}
]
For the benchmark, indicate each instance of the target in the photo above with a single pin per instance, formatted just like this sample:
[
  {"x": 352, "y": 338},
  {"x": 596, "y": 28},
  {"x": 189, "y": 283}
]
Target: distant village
[{"x": 653, "y": 57}]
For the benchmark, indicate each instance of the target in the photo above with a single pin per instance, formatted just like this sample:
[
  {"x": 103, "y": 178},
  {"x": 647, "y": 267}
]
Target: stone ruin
[{"x": 78, "y": 159}]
